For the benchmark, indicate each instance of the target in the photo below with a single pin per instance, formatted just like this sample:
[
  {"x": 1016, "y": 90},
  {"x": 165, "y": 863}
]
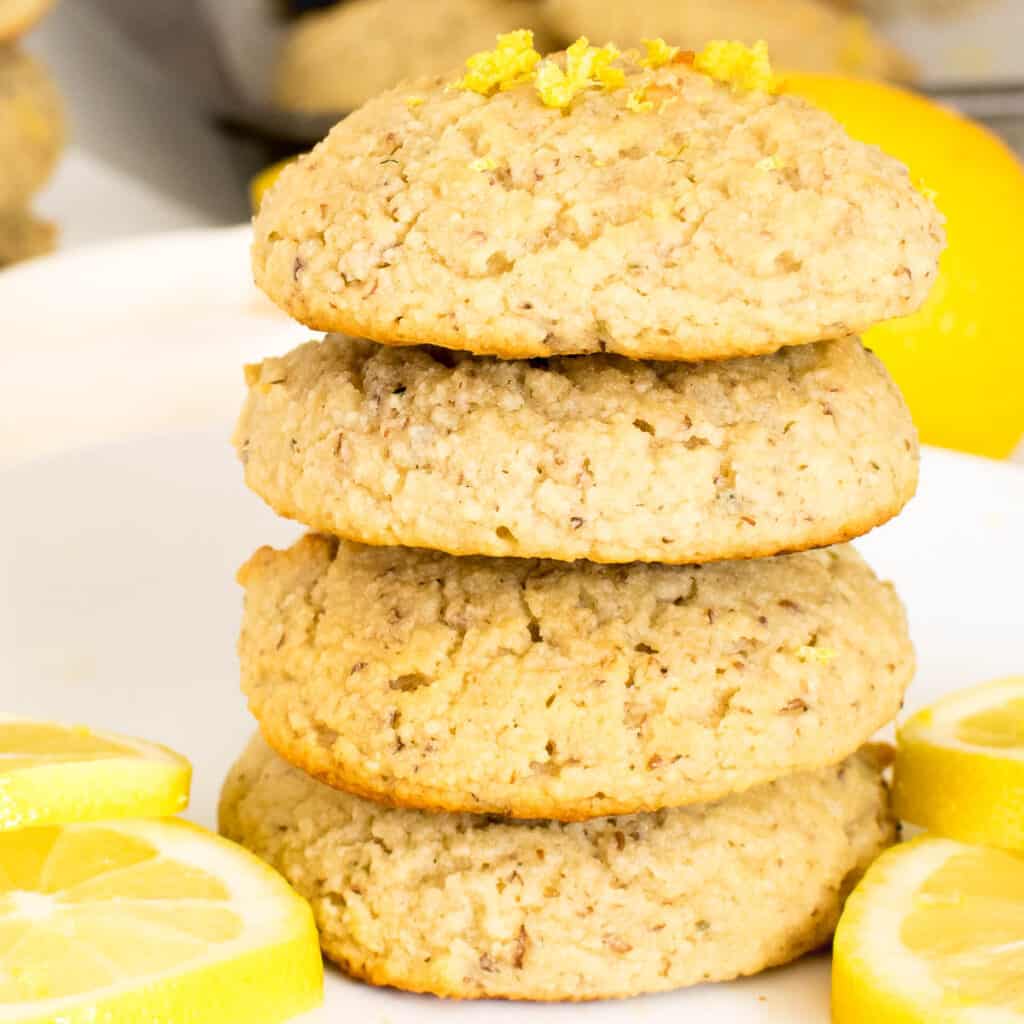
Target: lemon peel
[
  {"x": 512, "y": 62},
  {"x": 586, "y": 67},
  {"x": 415, "y": 101},
  {"x": 769, "y": 163},
  {"x": 638, "y": 102},
  {"x": 743, "y": 67},
  {"x": 822, "y": 655},
  {"x": 483, "y": 163},
  {"x": 659, "y": 53}
]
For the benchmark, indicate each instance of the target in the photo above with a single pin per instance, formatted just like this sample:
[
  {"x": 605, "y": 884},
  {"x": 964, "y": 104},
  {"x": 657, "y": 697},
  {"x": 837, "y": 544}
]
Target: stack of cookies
[
  {"x": 567, "y": 695},
  {"x": 31, "y": 135}
]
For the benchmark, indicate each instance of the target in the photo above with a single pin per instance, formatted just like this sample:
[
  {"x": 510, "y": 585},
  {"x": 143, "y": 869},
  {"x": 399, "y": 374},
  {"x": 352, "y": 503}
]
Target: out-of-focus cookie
[
  {"x": 596, "y": 203},
  {"x": 24, "y": 236},
  {"x": 31, "y": 127},
  {"x": 545, "y": 690},
  {"x": 477, "y": 907},
  {"x": 334, "y": 60},
  {"x": 18, "y": 16},
  {"x": 594, "y": 457},
  {"x": 802, "y": 35}
]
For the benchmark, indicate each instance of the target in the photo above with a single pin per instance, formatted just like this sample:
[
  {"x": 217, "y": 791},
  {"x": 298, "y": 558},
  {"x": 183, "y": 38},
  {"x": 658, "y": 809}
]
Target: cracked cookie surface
[
  {"x": 543, "y": 689},
  {"x": 476, "y": 907},
  {"x": 594, "y": 457},
  {"x": 675, "y": 217}
]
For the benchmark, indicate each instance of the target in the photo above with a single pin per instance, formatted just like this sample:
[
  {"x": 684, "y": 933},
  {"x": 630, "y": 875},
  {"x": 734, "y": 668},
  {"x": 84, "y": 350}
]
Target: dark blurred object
[{"x": 293, "y": 8}]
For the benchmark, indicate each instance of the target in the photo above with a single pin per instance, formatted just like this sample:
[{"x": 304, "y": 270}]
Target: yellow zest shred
[
  {"x": 742, "y": 67},
  {"x": 483, "y": 163},
  {"x": 638, "y": 102},
  {"x": 415, "y": 101},
  {"x": 659, "y": 53},
  {"x": 586, "y": 67},
  {"x": 922, "y": 187},
  {"x": 769, "y": 163},
  {"x": 512, "y": 62},
  {"x": 822, "y": 655}
]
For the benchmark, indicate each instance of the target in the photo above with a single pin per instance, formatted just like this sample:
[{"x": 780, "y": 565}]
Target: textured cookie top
[
  {"x": 652, "y": 211},
  {"x": 334, "y": 60},
  {"x": 541, "y": 689},
  {"x": 31, "y": 127},
  {"x": 802, "y": 35},
  {"x": 463, "y": 905},
  {"x": 595, "y": 457}
]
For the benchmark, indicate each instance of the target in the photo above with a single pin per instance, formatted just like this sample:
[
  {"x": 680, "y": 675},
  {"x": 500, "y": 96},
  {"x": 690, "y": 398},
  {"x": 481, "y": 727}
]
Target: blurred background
[{"x": 129, "y": 117}]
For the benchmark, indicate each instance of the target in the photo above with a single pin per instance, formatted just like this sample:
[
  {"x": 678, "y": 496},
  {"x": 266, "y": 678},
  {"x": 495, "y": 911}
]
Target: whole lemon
[{"x": 960, "y": 358}]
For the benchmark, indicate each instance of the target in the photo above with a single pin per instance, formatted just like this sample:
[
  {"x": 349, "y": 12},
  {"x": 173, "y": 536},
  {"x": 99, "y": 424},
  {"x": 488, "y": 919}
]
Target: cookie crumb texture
[
  {"x": 477, "y": 907},
  {"x": 592, "y": 457},
  {"x": 541, "y": 689},
  {"x": 639, "y": 220}
]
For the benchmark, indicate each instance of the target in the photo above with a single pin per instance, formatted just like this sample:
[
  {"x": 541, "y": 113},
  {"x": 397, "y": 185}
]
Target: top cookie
[
  {"x": 659, "y": 213},
  {"x": 802, "y": 35},
  {"x": 334, "y": 60}
]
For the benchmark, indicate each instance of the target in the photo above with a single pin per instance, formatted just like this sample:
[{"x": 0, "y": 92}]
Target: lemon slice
[
  {"x": 934, "y": 933},
  {"x": 148, "y": 922},
  {"x": 52, "y": 774},
  {"x": 959, "y": 768}
]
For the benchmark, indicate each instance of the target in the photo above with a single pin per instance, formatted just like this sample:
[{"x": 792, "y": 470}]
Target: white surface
[{"x": 118, "y": 606}]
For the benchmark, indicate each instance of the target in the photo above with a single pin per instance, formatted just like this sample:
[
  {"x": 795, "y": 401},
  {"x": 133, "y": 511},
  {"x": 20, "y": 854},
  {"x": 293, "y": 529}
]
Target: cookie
[
  {"x": 31, "y": 127},
  {"x": 663, "y": 215},
  {"x": 802, "y": 35},
  {"x": 478, "y": 907},
  {"x": 24, "y": 236},
  {"x": 18, "y": 16},
  {"x": 540, "y": 689},
  {"x": 336, "y": 59},
  {"x": 594, "y": 457}
]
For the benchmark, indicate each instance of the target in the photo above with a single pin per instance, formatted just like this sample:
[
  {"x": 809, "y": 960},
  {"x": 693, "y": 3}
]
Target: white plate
[{"x": 124, "y": 518}]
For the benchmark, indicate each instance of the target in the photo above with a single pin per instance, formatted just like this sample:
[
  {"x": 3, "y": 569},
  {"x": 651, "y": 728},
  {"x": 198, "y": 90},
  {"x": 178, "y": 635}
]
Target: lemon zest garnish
[
  {"x": 512, "y": 62},
  {"x": 770, "y": 163},
  {"x": 928, "y": 193},
  {"x": 823, "y": 655},
  {"x": 742, "y": 67},
  {"x": 483, "y": 163},
  {"x": 415, "y": 101},
  {"x": 659, "y": 53},
  {"x": 586, "y": 67},
  {"x": 637, "y": 100}
]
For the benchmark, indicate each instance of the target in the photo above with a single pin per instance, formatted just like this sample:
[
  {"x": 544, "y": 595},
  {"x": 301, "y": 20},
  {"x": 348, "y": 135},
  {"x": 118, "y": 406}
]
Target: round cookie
[
  {"x": 802, "y": 35},
  {"x": 594, "y": 457},
  {"x": 336, "y": 59},
  {"x": 476, "y": 907},
  {"x": 674, "y": 217},
  {"x": 544, "y": 690},
  {"x": 18, "y": 16},
  {"x": 31, "y": 127},
  {"x": 24, "y": 236}
]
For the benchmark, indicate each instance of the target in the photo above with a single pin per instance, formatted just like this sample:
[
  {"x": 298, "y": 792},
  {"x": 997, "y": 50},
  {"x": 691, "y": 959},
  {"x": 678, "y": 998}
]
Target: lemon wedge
[
  {"x": 52, "y": 774},
  {"x": 148, "y": 922},
  {"x": 959, "y": 769},
  {"x": 933, "y": 933}
]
